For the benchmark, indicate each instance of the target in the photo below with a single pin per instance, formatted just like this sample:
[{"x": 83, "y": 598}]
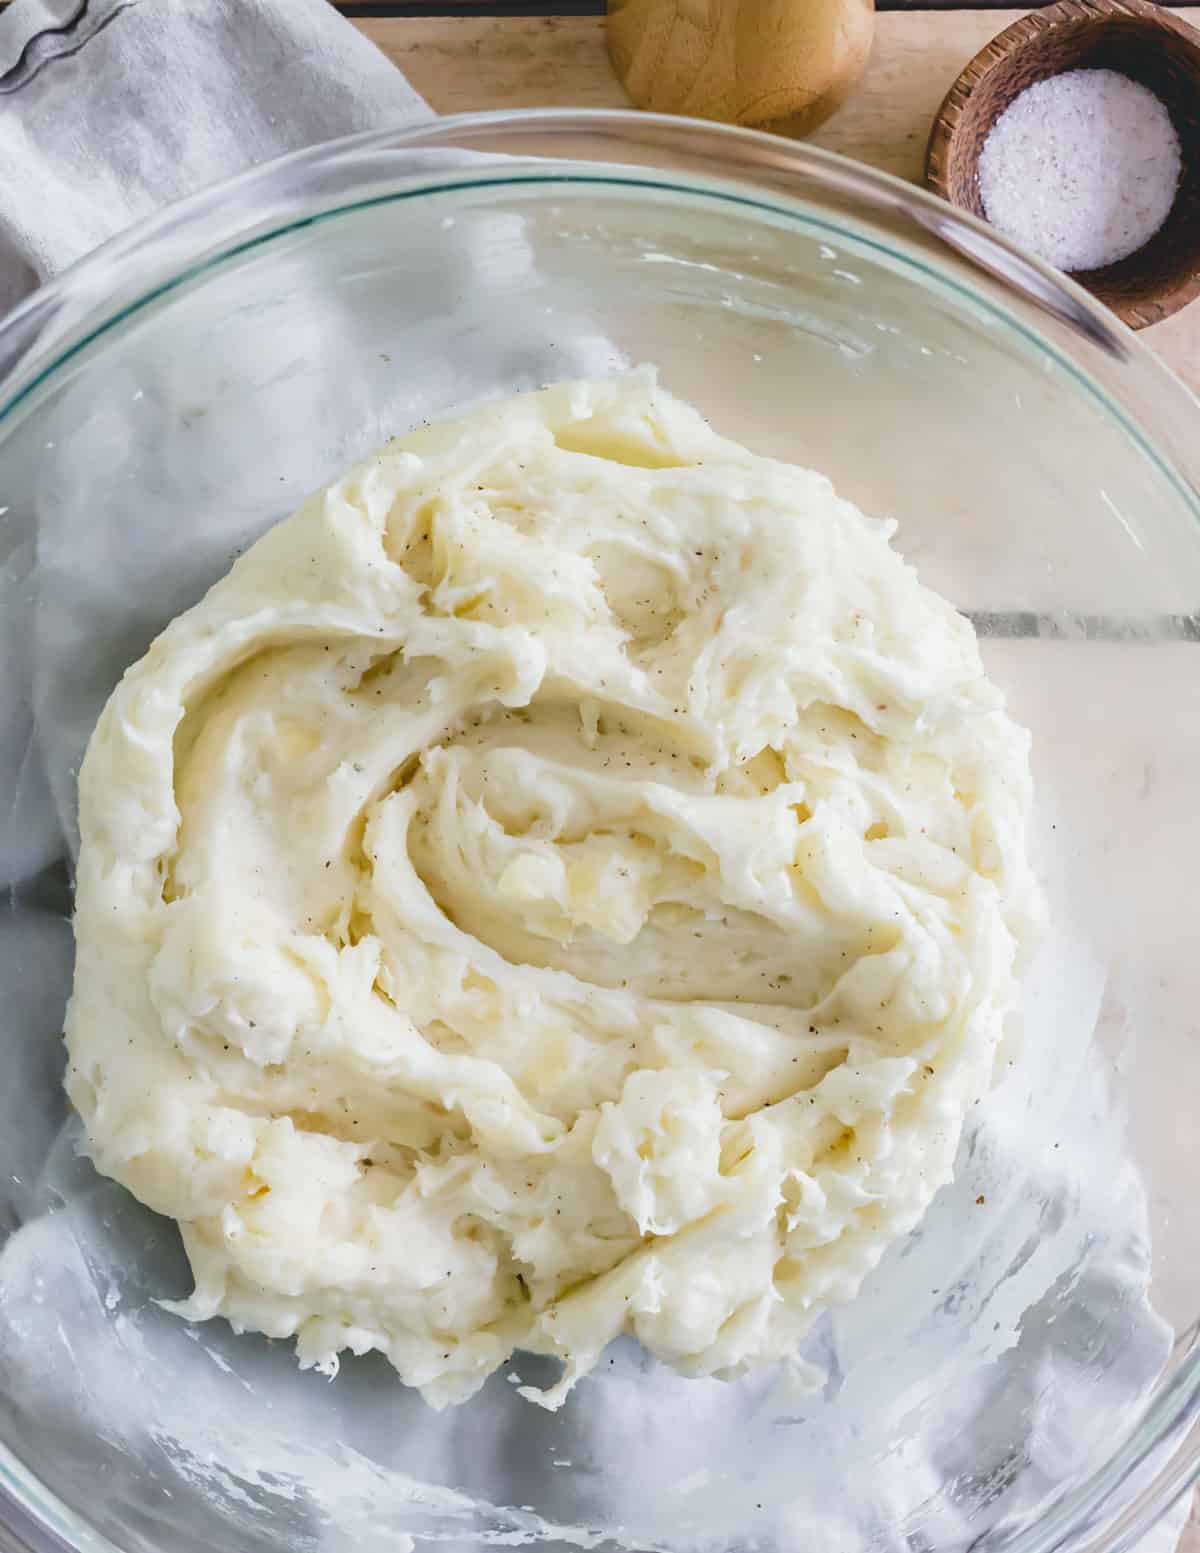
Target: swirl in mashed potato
[{"x": 568, "y": 879}]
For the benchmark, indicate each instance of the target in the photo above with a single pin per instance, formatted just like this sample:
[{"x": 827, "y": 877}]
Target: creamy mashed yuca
[{"x": 568, "y": 879}]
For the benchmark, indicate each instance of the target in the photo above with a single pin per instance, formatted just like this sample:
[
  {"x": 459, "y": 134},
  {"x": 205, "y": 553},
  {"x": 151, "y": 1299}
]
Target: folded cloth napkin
[{"x": 109, "y": 109}]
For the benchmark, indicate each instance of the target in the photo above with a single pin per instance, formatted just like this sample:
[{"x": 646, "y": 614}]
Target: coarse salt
[{"x": 1081, "y": 168}]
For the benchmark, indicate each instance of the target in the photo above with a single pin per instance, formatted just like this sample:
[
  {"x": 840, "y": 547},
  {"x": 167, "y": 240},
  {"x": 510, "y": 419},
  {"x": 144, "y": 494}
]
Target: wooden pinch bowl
[{"x": 1141, "y": 41}]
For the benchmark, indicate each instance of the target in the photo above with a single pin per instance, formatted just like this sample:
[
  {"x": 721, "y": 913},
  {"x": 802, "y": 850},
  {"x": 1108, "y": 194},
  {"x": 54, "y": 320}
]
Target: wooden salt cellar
[{"x": 1142, "y": 41}]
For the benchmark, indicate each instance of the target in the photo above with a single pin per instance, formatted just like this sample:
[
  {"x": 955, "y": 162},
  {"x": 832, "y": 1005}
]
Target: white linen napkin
[{"x": 109, "y": 109}]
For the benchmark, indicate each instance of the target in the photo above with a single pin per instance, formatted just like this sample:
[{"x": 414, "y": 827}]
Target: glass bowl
[{"x": 1022, "y": 1373}]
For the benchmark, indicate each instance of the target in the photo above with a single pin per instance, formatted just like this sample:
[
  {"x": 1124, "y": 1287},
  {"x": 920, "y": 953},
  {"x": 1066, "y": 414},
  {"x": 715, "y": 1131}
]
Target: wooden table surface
[{"x": 465, "y": 63}]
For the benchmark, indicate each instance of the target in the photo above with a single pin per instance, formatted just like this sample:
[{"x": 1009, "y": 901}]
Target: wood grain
[
  {"x": 762, "y": 64},
  {"x": 465, "y": 64}
]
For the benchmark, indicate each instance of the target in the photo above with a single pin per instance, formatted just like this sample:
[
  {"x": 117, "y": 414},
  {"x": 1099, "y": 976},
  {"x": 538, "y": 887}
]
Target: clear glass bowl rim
[{"x": 134, "y": 268}]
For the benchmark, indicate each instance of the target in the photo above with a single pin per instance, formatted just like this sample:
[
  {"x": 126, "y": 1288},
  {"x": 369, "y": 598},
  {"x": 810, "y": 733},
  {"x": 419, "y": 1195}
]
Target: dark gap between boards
[{"x": 369, "y": 9}]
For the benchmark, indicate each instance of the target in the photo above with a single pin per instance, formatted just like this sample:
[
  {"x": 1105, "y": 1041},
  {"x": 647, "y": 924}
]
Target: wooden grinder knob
[{"x": 782, "y": 65}]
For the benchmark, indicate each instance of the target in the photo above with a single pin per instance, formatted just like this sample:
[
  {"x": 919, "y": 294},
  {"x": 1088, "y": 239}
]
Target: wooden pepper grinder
[{"x": 781, "y": 65}]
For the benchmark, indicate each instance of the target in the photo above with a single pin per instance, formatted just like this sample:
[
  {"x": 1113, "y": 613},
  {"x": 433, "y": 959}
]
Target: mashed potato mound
[{"x": 568, "y": 879}]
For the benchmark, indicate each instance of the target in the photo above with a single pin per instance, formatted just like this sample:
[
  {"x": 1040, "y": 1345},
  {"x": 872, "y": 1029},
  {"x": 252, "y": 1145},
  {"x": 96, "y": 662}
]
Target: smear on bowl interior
[{"x": 568, "y": 879}]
